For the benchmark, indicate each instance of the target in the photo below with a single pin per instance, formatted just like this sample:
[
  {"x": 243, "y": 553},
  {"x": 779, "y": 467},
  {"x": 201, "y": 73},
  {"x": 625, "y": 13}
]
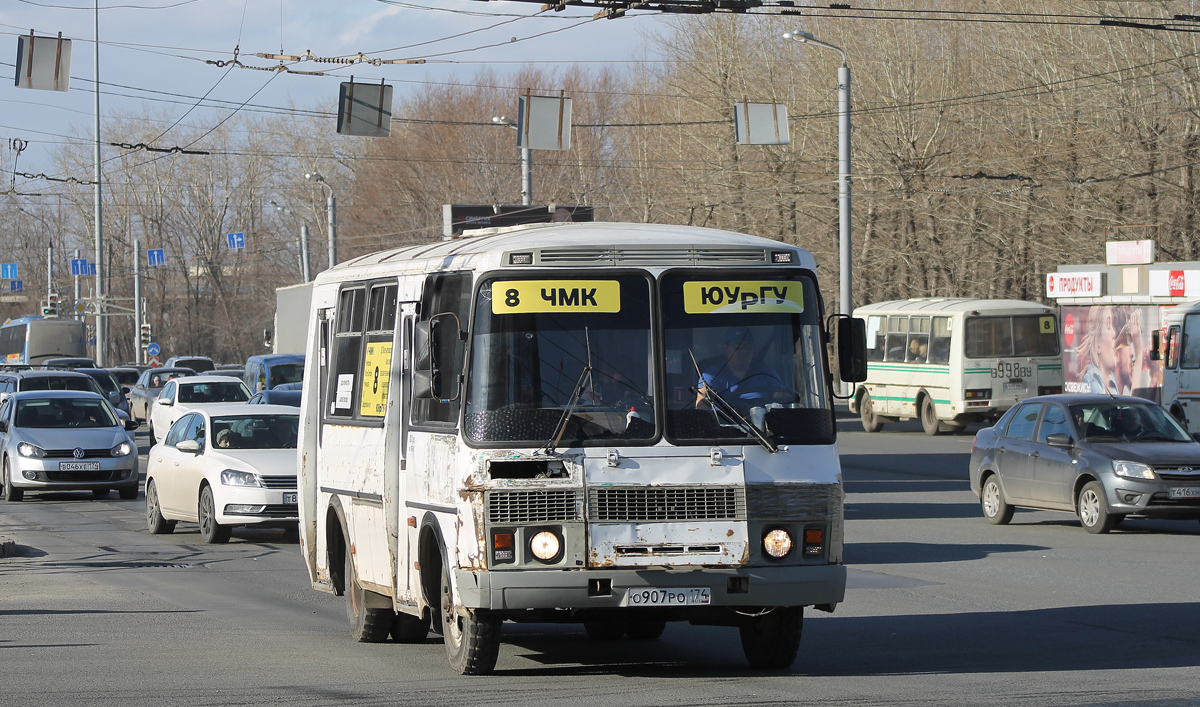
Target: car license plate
[
  {"x": 79, "y": 466},
  {"x": 1184, "y": 492},
  {"x": 289, "y": 499},
  {"x": 694, "y": 596}
]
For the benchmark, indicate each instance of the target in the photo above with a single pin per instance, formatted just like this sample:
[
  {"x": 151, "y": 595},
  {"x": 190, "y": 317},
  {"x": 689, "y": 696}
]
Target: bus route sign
[
  {"x": 752, "y": 297},
  {"x": 540, "y": 296}
]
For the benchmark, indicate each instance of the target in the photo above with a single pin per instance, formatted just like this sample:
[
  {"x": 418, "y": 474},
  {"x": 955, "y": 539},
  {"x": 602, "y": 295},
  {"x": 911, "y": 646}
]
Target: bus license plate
[
  {"x": 1184, "y": 492},
  {"x": 695, "y": 596},
  {"x": 79, "y": 466},
  {"x": 289, "y": 499},
  {"x": 1014, "y": 385}
]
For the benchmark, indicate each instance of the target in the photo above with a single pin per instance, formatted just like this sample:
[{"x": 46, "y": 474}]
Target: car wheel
[
  {"x": 1093, "y": 509},
  {"x": 210, "y": 530},
  {"x": 772, "y": 640},
  {"x": 101, "y": 493},
  {"x": 606, "y": 630},
  {"x": 472, "y": 636},
  {"x": 407, "y": 628},
  {"x": 367, "y": 624},
  {"x": 11, "y": 493},
  {"x": 645, "y": 630},
  {"x": 991, "y": 499},
  {"x": 866, "y": 413},
  {"x": 154, "y": 517},
  {"x": 929, "y": 421},
  {"x": 128, "y": 493}
]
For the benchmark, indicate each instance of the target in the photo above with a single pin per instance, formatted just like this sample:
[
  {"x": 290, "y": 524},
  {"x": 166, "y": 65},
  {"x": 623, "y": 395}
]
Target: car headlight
[
  {"x": 26, "y": 449},
  {"x": 1134, "y": 470},
  {"x": 777, "y": 543},
  {"x": 230, "y": 477},
  {"x": 545, "y": 546},
  {"x": 123, "y": 449}
]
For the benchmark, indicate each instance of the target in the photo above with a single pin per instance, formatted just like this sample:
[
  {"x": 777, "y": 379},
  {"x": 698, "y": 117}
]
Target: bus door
[
  {"x": 1188, "y": 376},
  {"x": 403, "y": 549}
]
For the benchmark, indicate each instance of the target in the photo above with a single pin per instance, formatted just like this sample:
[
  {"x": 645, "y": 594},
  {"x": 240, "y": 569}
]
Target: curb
[{"x": 8, "y": 547}]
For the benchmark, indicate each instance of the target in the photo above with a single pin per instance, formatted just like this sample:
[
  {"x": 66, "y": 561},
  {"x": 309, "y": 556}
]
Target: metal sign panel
[
  {"x": 79, "y": 266},
  {"x": 16, "y": 286},
  {"x": 236, "y": 241},
  {"x": 761, "y": 123},
  {"x": 457, "y": 218},
  {"x": 1129, "y": 252},
  {"x": 91, "y": 269},
  {"x": 8, "y": 271},
  {"x": 153, "y": 349},
  {"x": 544, "y": 123},
  {"x": 365, "y": 110},
  {"x": 155, "y": 256},
  {"x": 43, "y": 63},
  {"x": 1074, "y": 284}
]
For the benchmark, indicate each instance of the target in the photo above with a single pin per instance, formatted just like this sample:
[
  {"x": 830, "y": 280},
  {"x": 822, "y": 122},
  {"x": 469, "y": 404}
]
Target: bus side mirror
[
  {"x": 851, "y": 347},
  {"x": 1155, "y": 344},
  {"x": 434, "y": 344}
]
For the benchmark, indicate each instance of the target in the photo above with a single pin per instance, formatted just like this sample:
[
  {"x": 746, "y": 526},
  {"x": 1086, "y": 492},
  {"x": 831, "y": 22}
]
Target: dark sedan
[{"x": 1098, "y": 456}]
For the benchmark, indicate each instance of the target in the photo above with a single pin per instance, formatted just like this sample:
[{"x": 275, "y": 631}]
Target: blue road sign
[
  {"x": 155, "y": 256},
  {"x": 16, "y": 286},
  {"x": 8, "y": 271},
  {"x": 153, "y": 349},
  {"x": 91, "y": 269},
  {"x": 237, "y": 241},
  {"x": 79, "y": 266}
]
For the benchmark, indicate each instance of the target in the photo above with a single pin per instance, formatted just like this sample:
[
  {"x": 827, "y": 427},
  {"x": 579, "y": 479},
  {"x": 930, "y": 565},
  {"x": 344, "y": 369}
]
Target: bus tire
[
  {"x": 929, "y": 421},
  {"x": 367, "y": 625},
  {"x": 771, "y": 641},
  {"x": 472, "y": 636},
  {"x": 866, "y": 413}
]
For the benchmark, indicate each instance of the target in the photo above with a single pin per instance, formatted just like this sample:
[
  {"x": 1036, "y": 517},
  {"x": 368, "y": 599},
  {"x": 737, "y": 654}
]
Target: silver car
[
  {"x": 1101, "y": 457},
  {"x": 63, "y": 440}
]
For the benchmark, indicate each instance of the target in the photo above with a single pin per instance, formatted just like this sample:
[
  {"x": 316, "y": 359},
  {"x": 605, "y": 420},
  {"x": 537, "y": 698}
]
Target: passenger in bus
[
  {"x": 741, "y": 377},
  {"x": 1097, "y": 352}
]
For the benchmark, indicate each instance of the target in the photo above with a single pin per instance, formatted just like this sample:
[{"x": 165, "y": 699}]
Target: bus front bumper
[{"x": 803, "y": 585}]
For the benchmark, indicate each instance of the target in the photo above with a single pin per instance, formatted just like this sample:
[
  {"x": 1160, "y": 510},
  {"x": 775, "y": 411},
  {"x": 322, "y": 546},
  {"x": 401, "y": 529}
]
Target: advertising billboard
[{"x": 1106, "y": 348}]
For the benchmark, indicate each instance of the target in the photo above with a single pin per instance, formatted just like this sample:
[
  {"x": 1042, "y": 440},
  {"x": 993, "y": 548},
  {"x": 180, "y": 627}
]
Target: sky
[{"x": 153, "y": 54}]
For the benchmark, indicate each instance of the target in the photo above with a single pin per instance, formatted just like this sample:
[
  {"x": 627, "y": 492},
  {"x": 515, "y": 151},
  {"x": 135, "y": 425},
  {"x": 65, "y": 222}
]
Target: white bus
[
  {"x": 953, "y": 361},
  {"x": 29, "y": 341},
  {"x": 510, "y": 426},
  {"x": 1179, "y": 340}
]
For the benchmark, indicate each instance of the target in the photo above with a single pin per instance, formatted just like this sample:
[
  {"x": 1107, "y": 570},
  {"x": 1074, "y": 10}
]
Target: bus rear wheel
[
  {"x": 771, "y": 641},
  {"x": 367, "y": 624},
  {"x": 472, "y": 636},
  {"x": 866, "y": 413},
  {"x": 929, "y": 420}
]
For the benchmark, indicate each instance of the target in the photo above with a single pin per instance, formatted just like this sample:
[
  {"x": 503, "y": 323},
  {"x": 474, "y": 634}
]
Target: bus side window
[
  {"x": 446, "y": 293},
  {"x": 1173, "y": 347},
  {"x": 1191, "y": 342},
  {"x": 376, "y": 370},
  {"x": 346, "y": 353},
  {"x": 918, "y": 340},
  {"x": 876, "y": 338},
  {"x": 939, "y": 340},
  {"x": 897, "y": 338}
]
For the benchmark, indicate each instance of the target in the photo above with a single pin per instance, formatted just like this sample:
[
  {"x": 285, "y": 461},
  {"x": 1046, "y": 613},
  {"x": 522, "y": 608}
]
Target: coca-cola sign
[
  {"x": 1074, "y": 284},
  {"x": 1176, "y": 284}
]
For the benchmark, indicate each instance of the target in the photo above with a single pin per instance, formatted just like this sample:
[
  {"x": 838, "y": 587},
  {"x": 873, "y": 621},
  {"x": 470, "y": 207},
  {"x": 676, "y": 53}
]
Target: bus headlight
[
  {"x": 546, "y": 546},
  {"x": 26, "y": 449},
  {"x": 777, "y": 543}
]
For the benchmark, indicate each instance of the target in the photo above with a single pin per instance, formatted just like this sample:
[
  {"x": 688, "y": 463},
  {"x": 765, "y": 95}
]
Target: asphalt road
[{"x": 943, "y": 609}]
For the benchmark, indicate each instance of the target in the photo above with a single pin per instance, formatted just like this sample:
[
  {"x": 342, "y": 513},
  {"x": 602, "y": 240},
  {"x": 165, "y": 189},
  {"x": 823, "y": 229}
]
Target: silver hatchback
[
  {"x": 54, "y": 440},
  {"x": 1101, "y": 457}
]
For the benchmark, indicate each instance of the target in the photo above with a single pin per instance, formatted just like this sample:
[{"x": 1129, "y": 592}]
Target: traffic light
[
  {"x": 146, "y": 335},
  {"x": 50, "y": 307}
]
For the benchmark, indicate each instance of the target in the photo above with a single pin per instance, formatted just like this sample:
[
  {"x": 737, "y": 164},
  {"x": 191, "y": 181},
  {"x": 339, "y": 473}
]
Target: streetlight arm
[{"x": 807, "y": 38}]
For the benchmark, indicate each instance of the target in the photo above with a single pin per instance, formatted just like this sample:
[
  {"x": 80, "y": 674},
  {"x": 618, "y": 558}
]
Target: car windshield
[
  {"x": 214, "y": 392},
  {"x": 754, "y": 339},
  {"x": 63, "y": 412},
  {"x": 286, "y": 373},
  {"x": 80, "y": 383},
  {"x": 533, "y": 342},
  {"x": 256, "y": 431},
  {"x": 125, "y": 377},
  {"x": 1126, "y": 422},
  {"x": 107, "y": 383}
]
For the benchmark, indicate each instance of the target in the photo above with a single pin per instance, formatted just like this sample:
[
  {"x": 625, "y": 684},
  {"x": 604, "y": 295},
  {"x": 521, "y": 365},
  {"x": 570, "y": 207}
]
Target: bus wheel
[
  {"x": 367, "y": 625},
  {"x": 929, "y": 421},
  {"x": 772, "y": 640},
  {"x": 472, "y": 636},
  {"x": 866, "y": 412}
]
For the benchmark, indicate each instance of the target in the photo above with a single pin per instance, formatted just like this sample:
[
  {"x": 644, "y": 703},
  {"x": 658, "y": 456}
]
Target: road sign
[
  {"x": 80, "y": 307},
  {"x": 152, "y": 362},
  {"x": 154, "y": 349},
  {"x": 16, "y": 286},
  {"x": 236, "y": 241},
  {"x": 79, "y": 266},
  {"x": 8, "y": 271},
  {"x": 91, "y": 268},
  {"x": 155, "y": 256}
]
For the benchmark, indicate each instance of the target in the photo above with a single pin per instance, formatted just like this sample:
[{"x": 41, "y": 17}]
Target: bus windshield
[
  {"x": 1024, "y": 335},
  {"x": 534, "y": 338},
  {"x": 753, "y": 338}
]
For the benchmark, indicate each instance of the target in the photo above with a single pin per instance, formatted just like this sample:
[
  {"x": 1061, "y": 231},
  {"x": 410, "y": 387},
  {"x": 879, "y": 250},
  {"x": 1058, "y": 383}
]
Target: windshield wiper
[
  {"x": 584, "y": 375},
  {"x": 719, "y": 404}
]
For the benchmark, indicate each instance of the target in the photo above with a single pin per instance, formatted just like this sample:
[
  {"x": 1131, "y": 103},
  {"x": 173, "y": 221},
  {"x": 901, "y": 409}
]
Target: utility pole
[
  {"x": 101, "y": 327},
  {"x": 78, "y": 294},
  {"x": 305, "y": 272},
  {"x": 49, "y": 271},
  {"x": 138, "y": 312}
]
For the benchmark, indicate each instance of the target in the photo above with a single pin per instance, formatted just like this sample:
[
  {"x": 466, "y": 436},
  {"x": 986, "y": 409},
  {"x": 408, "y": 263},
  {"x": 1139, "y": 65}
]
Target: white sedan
[
  {"x": 183, "y": 395},
  {"x": 223, "y": 467}
]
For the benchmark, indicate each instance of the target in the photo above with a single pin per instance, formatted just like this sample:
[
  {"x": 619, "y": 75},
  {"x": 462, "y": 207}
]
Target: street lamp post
[
  {"x": 526, "y": 167},
  {"x": 845, "y": 293},
  {"x": 305, "y": 274},
  {"x": 330, "y": 213}
]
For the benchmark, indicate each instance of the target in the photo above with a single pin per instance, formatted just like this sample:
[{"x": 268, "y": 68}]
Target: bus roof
[
  {"x": 575, "y": 245},
  {"x": 38, "y": 318},
  {"x": 950, "y": 305}
]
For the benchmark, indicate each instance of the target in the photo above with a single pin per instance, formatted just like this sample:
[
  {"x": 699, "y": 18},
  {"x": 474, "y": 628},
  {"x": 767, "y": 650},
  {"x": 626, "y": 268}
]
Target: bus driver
[{"x": 740, "y": 379}]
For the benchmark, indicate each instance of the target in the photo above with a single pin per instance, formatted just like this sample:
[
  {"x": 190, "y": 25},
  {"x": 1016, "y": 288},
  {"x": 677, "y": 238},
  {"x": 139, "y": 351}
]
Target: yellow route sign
[
  {"x": 743, "y": 296},
  {"x": 538, "y": 296},
  {"x": 377, "y": 371},
  {"x": 1046, "y": 325}
]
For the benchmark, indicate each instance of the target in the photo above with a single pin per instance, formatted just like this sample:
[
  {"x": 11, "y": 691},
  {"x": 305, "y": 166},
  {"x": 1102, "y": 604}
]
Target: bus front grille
[
  {"x": 660, "y": 503},
  {"x": 533, "y": 506}
]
